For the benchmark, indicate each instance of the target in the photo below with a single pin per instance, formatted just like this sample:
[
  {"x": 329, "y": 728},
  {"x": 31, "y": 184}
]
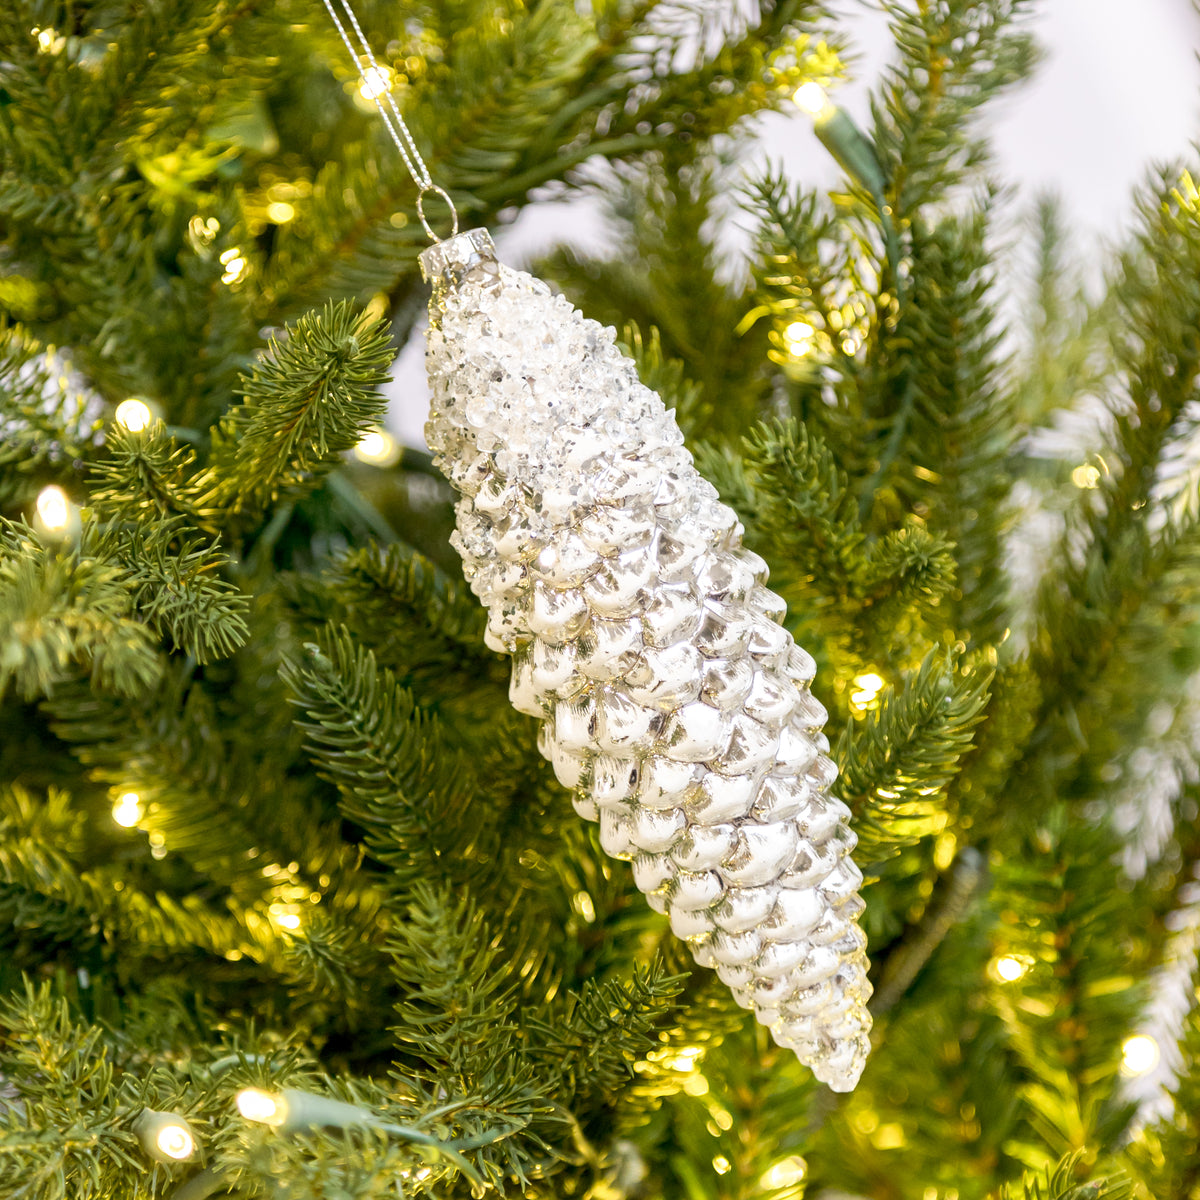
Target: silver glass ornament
[{"x": 673, "y": 704}]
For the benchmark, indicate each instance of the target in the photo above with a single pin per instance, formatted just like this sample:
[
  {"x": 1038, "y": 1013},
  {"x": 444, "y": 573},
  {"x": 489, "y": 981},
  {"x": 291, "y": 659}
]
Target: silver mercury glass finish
[{"x": 672, "y": 702}]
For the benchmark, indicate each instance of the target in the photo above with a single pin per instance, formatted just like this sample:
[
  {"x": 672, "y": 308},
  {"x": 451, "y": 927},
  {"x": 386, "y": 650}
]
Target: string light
[
  {"x": 866, "y": 688},
  {"x": 175, "y": 1142},
  {"x": 722, "y": 1165},
  {"x": 285, "y": 915},
  {"x": 1008, "y": 968},
  {"x": 256, "y": 1105},
  {"x": 166, "y": 1137},
  {"x": 133, "y": 415},
  {"x": 291, "y": 1110},
  {"x": 235, "y": 265},
  {"x": 49, "y": 41},
  {"x": 811, "y": 98},
  {"x": 1139, "y": 1055},
  {"x": 1086, "y": 476},
  {"x": 280, "y": 211},
  {"x": 684, "y": 1059},
  {"x": 377, "y": 448},
  {"x": 54, "y": 509},
  {"x": 784, "y": 1173},
  {"x": 797, "y": 338},
  {"x": 127, "y": 810},
  {"x": 375, "y": 81},
  {"x": 204, "y": 231}
]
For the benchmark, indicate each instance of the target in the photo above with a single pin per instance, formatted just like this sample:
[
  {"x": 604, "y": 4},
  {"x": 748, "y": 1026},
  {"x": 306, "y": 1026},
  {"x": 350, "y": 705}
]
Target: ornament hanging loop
[
  {"x": 360, "y": 51},
  {"x": 433, "y": 188}
]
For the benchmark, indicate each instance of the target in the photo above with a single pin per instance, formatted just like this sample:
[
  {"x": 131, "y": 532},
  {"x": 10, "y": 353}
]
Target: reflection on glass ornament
[{"x": 673, "y": 704}]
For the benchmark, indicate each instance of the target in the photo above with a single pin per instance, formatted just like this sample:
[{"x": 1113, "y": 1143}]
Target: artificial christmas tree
[{"x": 291, "y": 903}]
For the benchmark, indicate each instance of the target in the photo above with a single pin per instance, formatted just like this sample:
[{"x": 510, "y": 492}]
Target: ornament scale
[{"x": 673, "y": 703}]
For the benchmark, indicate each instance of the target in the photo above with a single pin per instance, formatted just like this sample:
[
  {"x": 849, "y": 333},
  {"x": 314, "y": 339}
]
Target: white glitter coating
[{"x": 672, "y": 702}]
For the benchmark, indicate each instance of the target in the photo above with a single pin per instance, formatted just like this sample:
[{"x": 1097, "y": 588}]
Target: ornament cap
[{"x": 445, "y": 263}]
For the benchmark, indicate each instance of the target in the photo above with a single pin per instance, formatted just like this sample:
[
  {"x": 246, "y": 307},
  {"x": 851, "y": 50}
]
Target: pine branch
[
  {"x": 458, "y": 1014},
  {"x": 49, "y": 887},
  {"x": 908, "y": 573},
  {"x": 201, "y": 780},
  {"x": 64, "y": 1130},
  {"x": 1067, "y": 1015},
  {"x": 956, "y": 55},
  {"x": 798, "y": 509},
  {"x": 459, "y": 1021},
  {"x": 310, "y": 400},
  {"x": 146, "y": 475},
  {"x": 803, "y": 506},
  {"x": 398, "y": 779},
  {"x": 1094, "y": 616},
  {"x": 46, "y": 417},
  {"x": 382, "y": 592},
  {"x": 800, "y": 262},
  {"x": 1062, "y": 1183},
  {"x": 64, "y": 612},
  {"x": 1063, "y": 329},
  {"x": 897, "y": 764},
  {"x": 177, "y": 592},
  {"x": 331, "y": 960},
  {"x": 589, "y": 1045},
  {"x": 951, "y": 468}
]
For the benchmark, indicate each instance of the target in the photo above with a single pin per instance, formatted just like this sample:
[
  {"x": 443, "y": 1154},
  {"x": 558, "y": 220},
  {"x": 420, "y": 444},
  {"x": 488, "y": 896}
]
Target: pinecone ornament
[{"x": 672, "y": 701}]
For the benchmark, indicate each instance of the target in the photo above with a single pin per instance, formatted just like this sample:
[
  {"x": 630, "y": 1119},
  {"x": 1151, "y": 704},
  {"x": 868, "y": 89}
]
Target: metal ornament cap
[{"x": 446, "y": 264}]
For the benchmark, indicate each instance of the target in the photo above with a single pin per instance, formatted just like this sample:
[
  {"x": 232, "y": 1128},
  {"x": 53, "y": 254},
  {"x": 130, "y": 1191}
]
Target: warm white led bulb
[
  {"x": 683, "y": 1060},
  {"x": 49, "y": 41},
  {"x": 257, "y": 1105},
  {"x": 288, "y": 920},
  {"x": 127, "y": 810},
  {"x": 1139, "y": 1054},
  {"x": 866, "y": 688},
  {"x": 133, "y": 415},
  {"x": 797, "y": 338},
  {"x": 165, "y": 1136},
  {"x": 811, "y": 98},
  {"x": 54, "y": 509},
  {"x": 785, "y": 1173},
  {"x": 235, "y": 264},
  {"x": 176, "y": 1142},
  {"x": 1008, "y": 968},
  {"x": 375, "y": 81},
  {"x": 378, "y": 448}
]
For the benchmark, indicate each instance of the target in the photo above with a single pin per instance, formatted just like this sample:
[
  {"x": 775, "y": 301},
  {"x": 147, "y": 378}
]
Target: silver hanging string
[{"x": 392, "y": 119}]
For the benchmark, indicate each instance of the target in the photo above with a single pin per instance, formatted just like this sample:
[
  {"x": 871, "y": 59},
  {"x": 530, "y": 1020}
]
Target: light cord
[{"x": 392, "y": 119}]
